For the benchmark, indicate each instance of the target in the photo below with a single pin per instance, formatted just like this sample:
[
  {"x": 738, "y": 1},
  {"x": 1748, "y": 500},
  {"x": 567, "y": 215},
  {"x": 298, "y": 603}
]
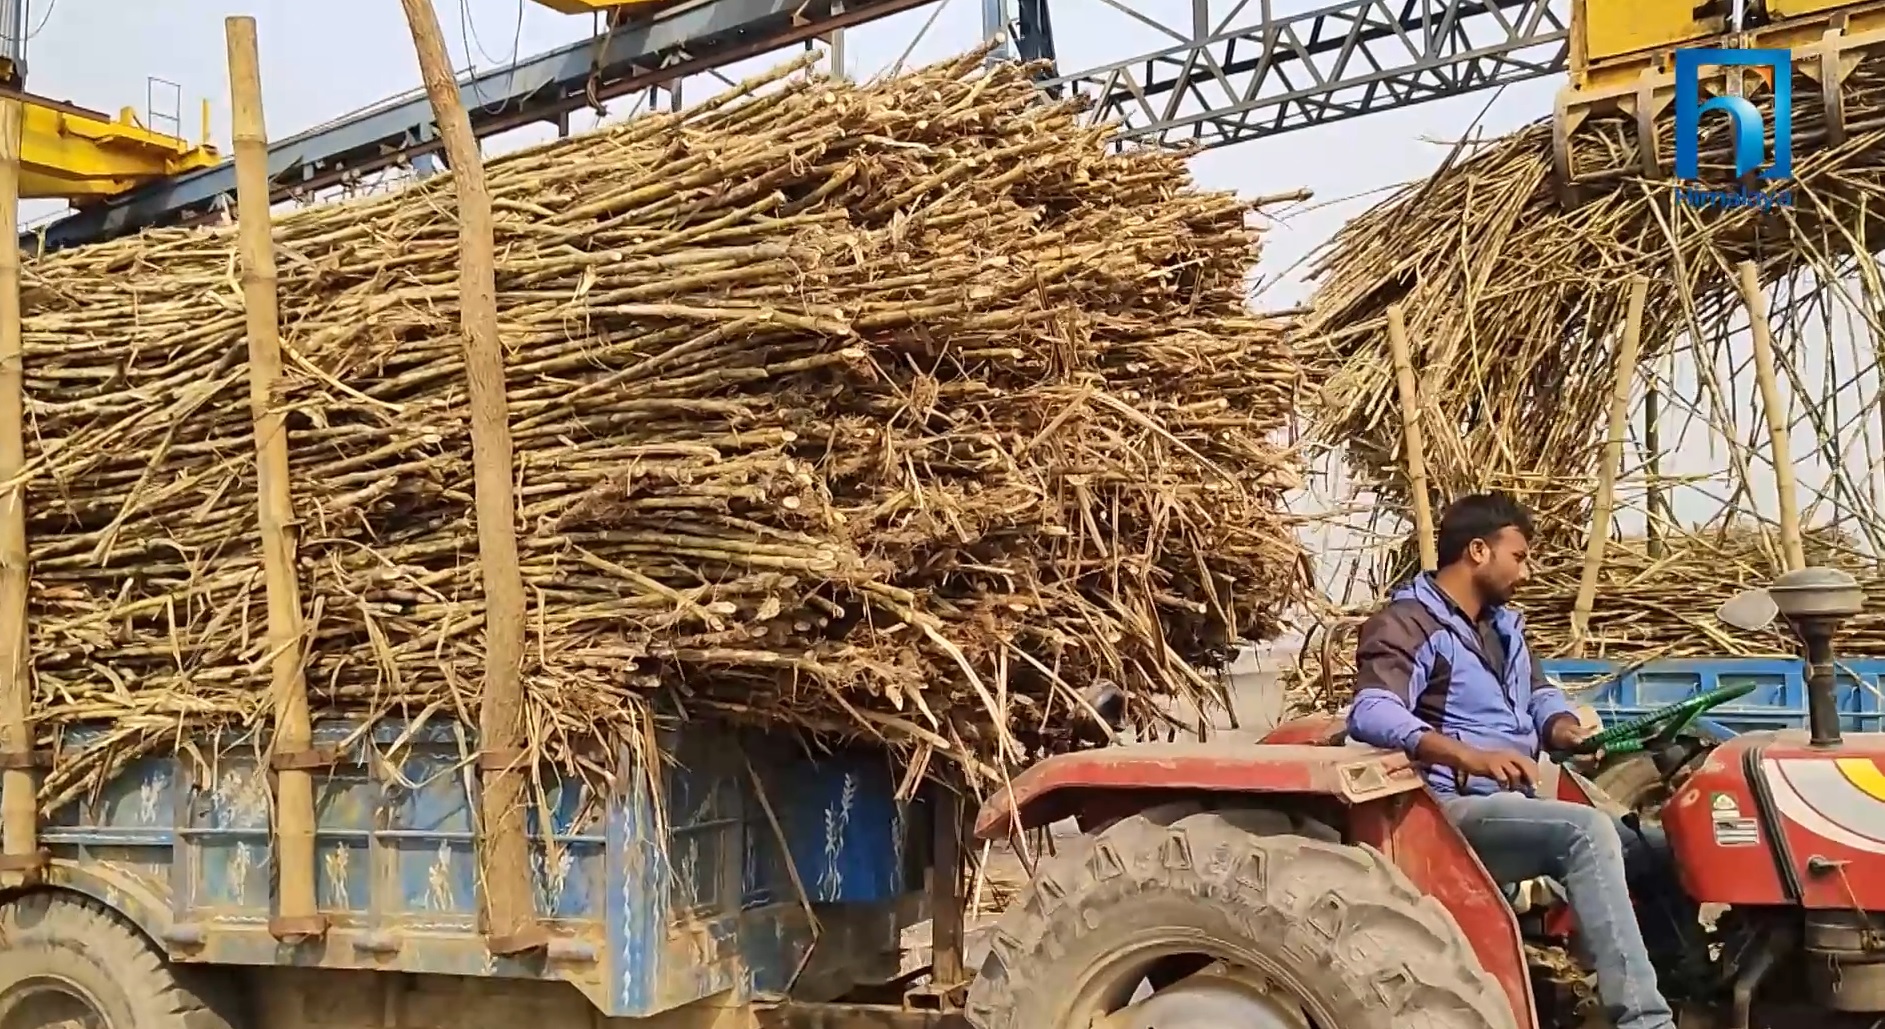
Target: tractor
[{"x": 1311, "y": 882}]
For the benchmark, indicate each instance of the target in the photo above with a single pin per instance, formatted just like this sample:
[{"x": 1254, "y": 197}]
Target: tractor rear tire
[
  {"x": 68, "y": 960},
  {"x": 1335, "y": 929}
]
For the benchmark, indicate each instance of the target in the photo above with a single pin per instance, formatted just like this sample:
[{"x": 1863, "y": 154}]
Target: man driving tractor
[{"x": 1444, "y": 674}]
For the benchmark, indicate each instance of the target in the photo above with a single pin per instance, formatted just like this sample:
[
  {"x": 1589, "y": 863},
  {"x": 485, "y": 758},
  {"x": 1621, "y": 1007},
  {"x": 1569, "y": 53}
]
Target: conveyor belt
[{"x": 685, "y": 39}]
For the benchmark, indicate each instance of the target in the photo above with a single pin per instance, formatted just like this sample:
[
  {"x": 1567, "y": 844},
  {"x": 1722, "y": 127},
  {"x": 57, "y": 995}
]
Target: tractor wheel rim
[
  {"x": 1217, "y": 997},
  {"x": 1209, "y": 1001},
  {"x": 49, "y": 1002}
]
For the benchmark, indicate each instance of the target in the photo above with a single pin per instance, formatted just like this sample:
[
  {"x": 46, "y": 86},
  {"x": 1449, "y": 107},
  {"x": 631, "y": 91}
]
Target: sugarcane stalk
[
  {"x": 746, "y": 471},
  {"x": 1792, "y": 546},
  {"x": 1412, "y": 439},
  {"x": 1616, "y": 434}
]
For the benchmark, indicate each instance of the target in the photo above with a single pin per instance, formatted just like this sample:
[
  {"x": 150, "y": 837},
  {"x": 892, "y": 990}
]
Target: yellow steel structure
[
  {"x": 598, "y": 6},
  {"x": 71, "y": 153},
  {"x": 1621, "y": 58}
]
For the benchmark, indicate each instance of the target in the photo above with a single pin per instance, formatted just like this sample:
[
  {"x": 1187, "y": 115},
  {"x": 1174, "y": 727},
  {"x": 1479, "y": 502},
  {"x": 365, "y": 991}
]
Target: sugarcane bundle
[
  {"x": 1651, "y": 606},
  {"x": 1658, "y": 605},
  {"x": 902, "y": 409},
  {"x": 1513, "y": 300},
  {"x": 1514, "y": 304}
]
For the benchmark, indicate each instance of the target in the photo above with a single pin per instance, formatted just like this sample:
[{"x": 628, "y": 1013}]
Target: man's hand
[
  {"x": 1511, "y": 771},
  {"x": 1565, "y": 732}
]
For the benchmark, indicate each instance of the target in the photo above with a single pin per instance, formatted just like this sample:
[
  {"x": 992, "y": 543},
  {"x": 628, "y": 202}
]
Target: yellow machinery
[
  {"x": 616, "y": 7},
  {"x": 74, "y": 154},
  {"x": 1622, "y": 63}
]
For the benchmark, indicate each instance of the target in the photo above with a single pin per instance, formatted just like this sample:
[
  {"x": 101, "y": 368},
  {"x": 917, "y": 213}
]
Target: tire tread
[
  {"x": 1354, "y": 930},
  {"x": 75, "y": 927}
]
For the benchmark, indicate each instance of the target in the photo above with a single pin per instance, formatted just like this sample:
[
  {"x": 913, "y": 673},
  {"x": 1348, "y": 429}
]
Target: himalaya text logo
[{"x": 1749, "y": 128}]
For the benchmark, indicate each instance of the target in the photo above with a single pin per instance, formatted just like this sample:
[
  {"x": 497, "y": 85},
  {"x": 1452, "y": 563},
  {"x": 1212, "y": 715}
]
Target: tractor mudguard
[{"x": 1066, "y": 785}]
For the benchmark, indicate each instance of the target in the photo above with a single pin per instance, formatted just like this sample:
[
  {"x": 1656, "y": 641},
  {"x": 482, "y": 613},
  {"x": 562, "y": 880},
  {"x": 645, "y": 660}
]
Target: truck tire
[
  {"x": 67, "y": 960},
  {"x": 1302, "y": 930}
]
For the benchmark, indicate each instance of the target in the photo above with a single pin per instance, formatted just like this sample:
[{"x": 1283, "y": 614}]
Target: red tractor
[{"x": 1308, "y": 882}]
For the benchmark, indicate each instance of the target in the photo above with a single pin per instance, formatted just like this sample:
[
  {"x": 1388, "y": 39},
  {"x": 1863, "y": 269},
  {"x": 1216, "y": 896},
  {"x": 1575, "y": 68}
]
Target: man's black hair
[{"x": 1479, "y": 516}]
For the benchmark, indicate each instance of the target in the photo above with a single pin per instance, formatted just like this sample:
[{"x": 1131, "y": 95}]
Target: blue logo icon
[{"x": 1749, "y": 129}]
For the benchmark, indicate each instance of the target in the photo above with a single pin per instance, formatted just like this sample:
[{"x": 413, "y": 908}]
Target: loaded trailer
[{"x": 760, "y": 884}]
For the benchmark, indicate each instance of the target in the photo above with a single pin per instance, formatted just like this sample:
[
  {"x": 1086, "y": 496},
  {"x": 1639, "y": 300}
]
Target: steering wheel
[{"x": 1656, "y": 730}]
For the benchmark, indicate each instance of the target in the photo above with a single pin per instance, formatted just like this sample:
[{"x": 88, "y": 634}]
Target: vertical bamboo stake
[
  {"x": 292, "y": 751},
  {"x": 1605, "y": 505},
  {"x": 19, "y": 807},
  {"x": 1652, "y": 469},
  {"x": 509, "y": 907},
  {"x": 1792, "y": 547},
  {"x": 1416, "y": 444}
]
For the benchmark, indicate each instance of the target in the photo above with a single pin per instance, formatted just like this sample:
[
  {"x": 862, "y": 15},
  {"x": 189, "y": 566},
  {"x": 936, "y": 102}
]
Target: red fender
[{"x": 1065, "y": 785}]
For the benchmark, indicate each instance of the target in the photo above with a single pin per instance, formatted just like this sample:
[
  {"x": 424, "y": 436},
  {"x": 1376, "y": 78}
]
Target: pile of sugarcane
[
  {"x": 1514, "y": 307},
  {"x": 1656, "y": 602},
  {"x": 1512, "y": 299},
  {"x": 901, "y": 409}
]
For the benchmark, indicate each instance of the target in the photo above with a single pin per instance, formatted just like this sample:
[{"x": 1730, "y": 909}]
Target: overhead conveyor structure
[
  {"x": 637, "y": 52},
  {"x": 70, "y": 153},
  {"x": 1228, "y": 77},
  {"x": 1213, "y": 86}
]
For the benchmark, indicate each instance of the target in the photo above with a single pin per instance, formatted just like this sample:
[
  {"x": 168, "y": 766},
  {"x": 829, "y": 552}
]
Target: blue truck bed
[
  {"x": 1620, "y": 691},
  {"x": 645, "y": 920}
]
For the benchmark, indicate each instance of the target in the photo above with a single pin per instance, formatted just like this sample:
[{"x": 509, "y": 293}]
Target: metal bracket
[
  {"x": 523, "y": 941},
  {"x": 1649, "y": 104},
  {"x": 32, "y": 867},
  {"x": 312, "y": 759},
  {"x": 298, "y": 930},
  {"x": 501, "y": 760},
  {"x": 25, "y": 760}
]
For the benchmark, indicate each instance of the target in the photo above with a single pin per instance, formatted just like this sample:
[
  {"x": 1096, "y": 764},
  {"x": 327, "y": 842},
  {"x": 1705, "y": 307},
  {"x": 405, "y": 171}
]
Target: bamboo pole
[
  {"x": 508, "y": 906},
  {"x": 1604, "y": 507},
  {"x": 292, "y": 750},
  {"x": 1792, "y": 547},
  {"x": 19, "y": 808},
  {"x": 1658, "y": 505},
  {"x": 1416, "y": 444}
]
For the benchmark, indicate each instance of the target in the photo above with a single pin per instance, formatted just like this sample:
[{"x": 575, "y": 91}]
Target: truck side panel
[{"x": 656, "y": 898}]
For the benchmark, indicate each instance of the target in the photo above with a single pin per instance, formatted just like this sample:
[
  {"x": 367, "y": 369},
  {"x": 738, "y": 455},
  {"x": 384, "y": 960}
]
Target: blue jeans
[{"x": 1592, "y": 855}]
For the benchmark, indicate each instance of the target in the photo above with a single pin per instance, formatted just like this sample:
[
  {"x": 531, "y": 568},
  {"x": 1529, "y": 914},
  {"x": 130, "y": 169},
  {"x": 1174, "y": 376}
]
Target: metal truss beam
[
  {"x": 1220, "y": 85},
  {"x": 680, "y": 40}
]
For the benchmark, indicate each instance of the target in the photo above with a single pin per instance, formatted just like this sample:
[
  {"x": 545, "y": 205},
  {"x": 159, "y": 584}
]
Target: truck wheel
[
  {"x": 1228, "y": 919},
  {"x": 69, "y": 962}
]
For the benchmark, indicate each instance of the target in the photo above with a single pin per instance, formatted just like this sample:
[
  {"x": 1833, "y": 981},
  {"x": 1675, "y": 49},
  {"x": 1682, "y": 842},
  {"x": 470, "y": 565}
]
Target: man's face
[{"x": 1500, "y": 564}]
